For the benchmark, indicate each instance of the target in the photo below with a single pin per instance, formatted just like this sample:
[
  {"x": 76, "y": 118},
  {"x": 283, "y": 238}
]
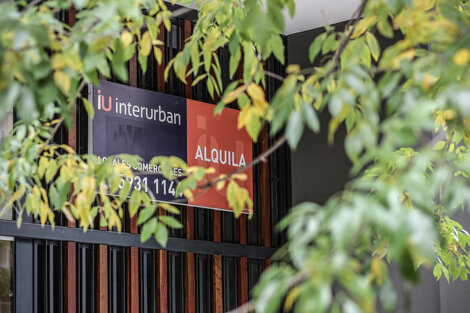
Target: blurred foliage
[{"x": 405, "y": 106}]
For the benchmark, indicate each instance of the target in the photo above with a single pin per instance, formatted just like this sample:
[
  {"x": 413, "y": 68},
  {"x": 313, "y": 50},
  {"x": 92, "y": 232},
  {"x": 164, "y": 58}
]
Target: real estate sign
[{"x": 148, "y": 123}]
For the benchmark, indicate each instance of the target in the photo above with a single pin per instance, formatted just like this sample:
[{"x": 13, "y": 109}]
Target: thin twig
[
  {"x": 274, "y": 75},
  {"x": 354, "y": 18},
  {"x": 31, "y": 4},
  {"x": 61, "y": 121},
  {"x": 260, "y": 158},
  {"x": 245, "y": 308}
]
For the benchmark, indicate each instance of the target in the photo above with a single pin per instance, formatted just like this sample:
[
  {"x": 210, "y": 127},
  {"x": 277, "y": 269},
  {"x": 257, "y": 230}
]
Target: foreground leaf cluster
[{"x": 404, "y": 103}]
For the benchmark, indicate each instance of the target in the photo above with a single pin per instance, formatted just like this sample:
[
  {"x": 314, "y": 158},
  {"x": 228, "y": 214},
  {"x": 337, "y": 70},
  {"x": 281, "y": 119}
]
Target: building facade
[{"x": 208, "y": 266}]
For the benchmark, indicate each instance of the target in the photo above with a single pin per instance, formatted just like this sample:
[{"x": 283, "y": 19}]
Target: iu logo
[{"x": 102, "y": 104}]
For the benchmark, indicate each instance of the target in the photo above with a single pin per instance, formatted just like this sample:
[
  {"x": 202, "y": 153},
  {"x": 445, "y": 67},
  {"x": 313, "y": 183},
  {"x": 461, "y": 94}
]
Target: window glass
[{"x": 6, "y": 269}]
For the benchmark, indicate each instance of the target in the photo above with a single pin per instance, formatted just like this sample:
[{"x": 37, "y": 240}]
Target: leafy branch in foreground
[{"x": 404, "y": 106}]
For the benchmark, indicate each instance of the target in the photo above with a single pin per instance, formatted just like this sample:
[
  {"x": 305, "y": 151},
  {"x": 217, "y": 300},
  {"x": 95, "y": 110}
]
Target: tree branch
[
  {"x": 260, "y": 158},
  {"x": 274, "y": 75},
  {"x": 354, "y": 18}
]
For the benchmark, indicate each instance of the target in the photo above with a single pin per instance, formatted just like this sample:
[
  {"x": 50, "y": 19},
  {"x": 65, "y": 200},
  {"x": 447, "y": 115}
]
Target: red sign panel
[{"x": 215, "y": 141}]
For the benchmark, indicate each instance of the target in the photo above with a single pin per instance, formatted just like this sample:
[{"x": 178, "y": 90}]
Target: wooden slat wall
[
  {"x": 189, "y": 268},
  {"x": 265, "y": 195},
  {"x": 133, "y": 252},
  {"x": 70, "y": 260},
  {"x": 217, "y": 303},
  {"x": 132, "y": 261},
  {"x": 162, "y": 273}
]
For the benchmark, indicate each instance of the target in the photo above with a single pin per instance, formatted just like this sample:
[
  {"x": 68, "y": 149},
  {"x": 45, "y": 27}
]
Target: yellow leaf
[
  {"x": 126, "y": 38},
  {"x": 220, "y": 185},
  {"x": 255, "y": 92},
  {"x": 291, "y": 297},
  {"x": 293, "y": 69},
  {"x": 243, "y": 117},
  {"x": 424, "y": 4},
  {"x": 210, "y": 170},
  {"x": 88, "y": 186},
  {"x": 241, "y": 176},
  {"x": 146, "y": 44},
  {"x": 58, "y": 61},
  {"x": 233, "y": 95},
  {"x": 157, "y": 52},
  {"x": 363, "y": 25},
  {"x": 428, "y": 81},
  {"x": 405, "y": 55},
  {"x": 62, "y": 80},
  {"x": 461, "y": 57}
]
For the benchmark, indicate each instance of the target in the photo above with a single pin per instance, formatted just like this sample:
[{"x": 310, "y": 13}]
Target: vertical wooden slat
[
  {"x": 162, "y": 280},
  {"x": 161, "y": 67},
  {"x": 189, "y": 80},
  {"x": 102, "y": 279},
  {"x": 133, "y": 252},
  {"x": 242, "y": 263},
  {"x": 242, "y": 237},
  {"x": 265, "y": 209},
  {"x": 70, "y": 265},
  {"x": 101, "y": 283},
  {"x": 217, "y": 293},
  {"x": 189, "y": 268},
  {"x": 162, "y": 271}
]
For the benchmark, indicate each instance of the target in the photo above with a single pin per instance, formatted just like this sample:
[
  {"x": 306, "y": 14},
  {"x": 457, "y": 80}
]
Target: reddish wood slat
[
  {"x": 189, "y": 283},
  {"x": 217, "y": 304},
  {"x": 70, "y": 279},
  {"x": 265, "y": 212},
  {"x": 102, "y": 280},
  {"x": 242, "y": 263},
  {"x": 133, "y": 71},
  {"x": 216, "y": 279},
  {"x": 242, "y": 280},
  {"x": 187, "y": 29},
  {"x": 162, "y": 279},
  {"x": 133, "y": 252},
  {"x": 189, "y": 267},
  {"x": 216, "y": 224},
  {"x": 161, "y": 67},
  {"x": 162, "y": 273}
]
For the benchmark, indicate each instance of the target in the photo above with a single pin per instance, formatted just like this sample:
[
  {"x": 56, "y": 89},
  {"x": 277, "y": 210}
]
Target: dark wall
[{"x": 318, "y": 169}]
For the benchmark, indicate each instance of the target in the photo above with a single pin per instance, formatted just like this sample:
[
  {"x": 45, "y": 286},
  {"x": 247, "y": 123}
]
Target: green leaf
[
  {"x": 161, "y": 234},
  {"x": 253, "y": 126},
  {"x": 373, "y": 45},
  {"x": 316, "y": 46},
  {"x": 125, "y": 190},
  {"x": 234, "y": 62},
  {"x": 134, "y": 203},
  {"x": 310, "y": 117},
  {"x": 148, "y": 229},
  {"x": 146, "y": 213},
  {"x": 439, "y": 145},
  {"x": 88, "y": 107},
  {"x": 170, "y": 221},
  {"x": 143, "y": 62},
  {"x": 329, "y": 44},
  {"x": 437, "y": 271},
  {"x": 51, "y": 170},
  {"x": 295, "y": 127},
  {"x": 385, "y": 28},
  {"x": 27, "y": 105}
]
